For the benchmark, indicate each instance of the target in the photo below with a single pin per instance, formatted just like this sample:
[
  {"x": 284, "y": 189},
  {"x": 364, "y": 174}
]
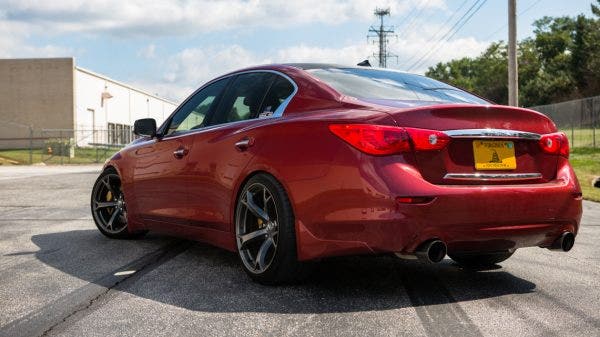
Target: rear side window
[
  {"x": 243, "y": 98},
  {"x": 392, "y": 85},
  {"x": 280, "y": 91}
]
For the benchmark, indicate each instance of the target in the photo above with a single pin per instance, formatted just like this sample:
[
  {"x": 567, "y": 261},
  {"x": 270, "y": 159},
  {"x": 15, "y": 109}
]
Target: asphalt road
[{"x": 60, "y": 276}]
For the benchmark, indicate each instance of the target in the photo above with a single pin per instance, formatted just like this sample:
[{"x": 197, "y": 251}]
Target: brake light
[
  {"x": 373, "y": 139},
  {"x": 555, "y": 143},
  {"x": 385, "y": 140},
  {"x": 428, "y": 140}
]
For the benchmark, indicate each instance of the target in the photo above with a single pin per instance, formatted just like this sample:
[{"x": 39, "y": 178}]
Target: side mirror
[{"x": 145, "y": 127}]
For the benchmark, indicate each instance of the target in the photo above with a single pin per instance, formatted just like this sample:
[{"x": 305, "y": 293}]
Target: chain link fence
[
  {"x": 20, "y": 144},
  {"x": 63, "y": 146},
  {"x": 579, "y": 119}
]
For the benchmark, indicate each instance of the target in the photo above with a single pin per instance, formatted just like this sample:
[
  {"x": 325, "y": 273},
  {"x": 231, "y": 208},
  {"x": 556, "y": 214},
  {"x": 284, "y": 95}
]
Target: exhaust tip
[
  {"x": 568, "y": 240},
  {"x": 432, "y": 251},
  {"x": 565, "y": 242}
]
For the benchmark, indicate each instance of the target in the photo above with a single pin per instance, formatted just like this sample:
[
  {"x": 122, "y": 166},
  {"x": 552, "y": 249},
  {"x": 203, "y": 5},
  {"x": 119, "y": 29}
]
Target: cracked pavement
[{"x": 60, "y": 277}]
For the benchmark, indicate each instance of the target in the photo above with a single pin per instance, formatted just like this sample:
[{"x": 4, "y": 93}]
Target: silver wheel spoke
[
  {"x": 248, "y": 238},
  {"x": 107, "y": 184},
  {"x": 254, "y": 209},
  {"x": 100, "y": 204},
  {"x": 112, "y": 219},
  {"x": 261, "y": 256}
]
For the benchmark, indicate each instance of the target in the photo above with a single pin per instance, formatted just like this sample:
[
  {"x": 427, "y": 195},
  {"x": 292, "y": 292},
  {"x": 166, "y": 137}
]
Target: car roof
[{"x": 308, "y": 66}]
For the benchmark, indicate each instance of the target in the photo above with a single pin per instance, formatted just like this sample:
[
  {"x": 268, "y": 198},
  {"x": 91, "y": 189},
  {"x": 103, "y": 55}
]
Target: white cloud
[
  {"x": 152, "y": 18},
  {"x": 12, "y": 43},
  {"x": 148, "y": 52},
  {"x": 190, "y": 68},
  {"x": 179, "y": 74}
]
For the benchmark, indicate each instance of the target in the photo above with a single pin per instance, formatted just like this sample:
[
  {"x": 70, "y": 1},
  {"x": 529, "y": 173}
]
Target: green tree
[{"x": 560, "y": 62}]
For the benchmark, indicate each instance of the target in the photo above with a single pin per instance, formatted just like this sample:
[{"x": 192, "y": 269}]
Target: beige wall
[{"x": 35, "y": 92}]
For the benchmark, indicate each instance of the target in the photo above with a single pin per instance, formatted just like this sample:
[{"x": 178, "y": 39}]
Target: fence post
[
  {"x": 572, "y": 131},
  {"x": 593, "y": 124},
  {"x": 60, "y": 153},
  {"x": 30, "y": 145}
]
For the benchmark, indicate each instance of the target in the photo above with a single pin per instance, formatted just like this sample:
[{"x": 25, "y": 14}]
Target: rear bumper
[{"x": 466, "y": 218}]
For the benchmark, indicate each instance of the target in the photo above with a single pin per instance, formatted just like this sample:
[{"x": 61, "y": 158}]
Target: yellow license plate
[{"x": 494, "y": 155}]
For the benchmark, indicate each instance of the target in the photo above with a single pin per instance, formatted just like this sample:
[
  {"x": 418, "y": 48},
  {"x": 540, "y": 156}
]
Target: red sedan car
[{"x": 290, "y": 163}]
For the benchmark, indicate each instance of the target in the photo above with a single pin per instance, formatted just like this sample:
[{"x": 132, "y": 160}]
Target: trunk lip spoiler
[
  {"x": 492, "y": 133},
  {"x": 493, "y": 176}
]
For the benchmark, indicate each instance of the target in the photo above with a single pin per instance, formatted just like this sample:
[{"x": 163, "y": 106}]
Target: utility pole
[
  {"x": 513, "y": 66},
  {"x": 380, "y": 36}
]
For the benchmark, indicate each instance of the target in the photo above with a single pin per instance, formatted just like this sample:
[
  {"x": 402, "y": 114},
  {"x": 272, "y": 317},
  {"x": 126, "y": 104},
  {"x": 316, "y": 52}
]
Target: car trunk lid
[{"x": 489, "y": 144}]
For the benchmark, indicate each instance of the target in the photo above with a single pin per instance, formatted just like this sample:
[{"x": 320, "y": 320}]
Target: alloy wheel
[
  {"x": 257, "y": 228},
  {"x": 108, "y": 204}
]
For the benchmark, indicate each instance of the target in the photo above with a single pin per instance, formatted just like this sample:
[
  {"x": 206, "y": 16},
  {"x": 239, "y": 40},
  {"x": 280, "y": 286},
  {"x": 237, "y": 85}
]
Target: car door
[
  {"x": 221, "y": 152},
  {"x": 160, "y": 177}
]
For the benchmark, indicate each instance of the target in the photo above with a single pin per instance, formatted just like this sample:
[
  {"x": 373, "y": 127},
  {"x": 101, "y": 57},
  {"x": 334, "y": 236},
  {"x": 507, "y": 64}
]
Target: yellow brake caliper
[{"x": 109, "y": 197}]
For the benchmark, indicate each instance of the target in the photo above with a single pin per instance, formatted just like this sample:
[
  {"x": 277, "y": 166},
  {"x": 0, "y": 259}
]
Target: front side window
[
  {"x": 392, "y": 85},
  {"x": 193, "y": 113},
  {"x": 243, "y": 98}
]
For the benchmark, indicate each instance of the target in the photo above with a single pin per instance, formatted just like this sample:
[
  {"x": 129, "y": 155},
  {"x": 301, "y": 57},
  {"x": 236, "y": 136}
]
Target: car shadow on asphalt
[{"x": 203, "y": 278}]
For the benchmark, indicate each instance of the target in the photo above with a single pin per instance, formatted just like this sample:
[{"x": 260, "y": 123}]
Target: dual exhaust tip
[{"x": 434, "y": 251}]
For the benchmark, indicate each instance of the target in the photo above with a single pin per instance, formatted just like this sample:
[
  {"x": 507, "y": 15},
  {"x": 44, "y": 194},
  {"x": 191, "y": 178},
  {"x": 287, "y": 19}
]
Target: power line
[
  {"x": 467, "y": 20},
  {"x": 457, "y": 27},
  {"x": 413, "y": 19},
  {"x": 437, "y": 44},
  {"x": 444, "y": 25}
]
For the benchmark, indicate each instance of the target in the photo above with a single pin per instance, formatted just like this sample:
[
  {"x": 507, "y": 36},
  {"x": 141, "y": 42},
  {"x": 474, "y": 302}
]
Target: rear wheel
[
  {"x": 480, "y": 260},
  {"x": 265, "y": 232},
  {"x": 108, "y": 206}
]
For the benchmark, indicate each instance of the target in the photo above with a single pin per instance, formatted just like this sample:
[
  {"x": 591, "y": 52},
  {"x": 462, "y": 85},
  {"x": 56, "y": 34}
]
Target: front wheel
[
  {"x": 482, "y": 260},
  {"x": 108, "y": 206},
  {"x": 265, "y": 232}
]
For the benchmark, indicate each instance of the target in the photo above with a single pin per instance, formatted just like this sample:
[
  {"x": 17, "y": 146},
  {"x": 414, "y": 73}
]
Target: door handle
[
  {"x": 244, "y": 143},
  {"x": 180, "y": 153}
]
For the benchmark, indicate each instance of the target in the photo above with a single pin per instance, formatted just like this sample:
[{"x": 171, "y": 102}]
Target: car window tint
[
  {"x": 243, "y": 98},
  {"x": 280, "y": 90},
  {"x": 193, "y": 114},
  {"x": 392, "y": 85}
]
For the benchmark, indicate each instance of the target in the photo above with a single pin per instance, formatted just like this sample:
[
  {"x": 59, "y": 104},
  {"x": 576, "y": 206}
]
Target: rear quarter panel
[{"x": 322, "y": 175}]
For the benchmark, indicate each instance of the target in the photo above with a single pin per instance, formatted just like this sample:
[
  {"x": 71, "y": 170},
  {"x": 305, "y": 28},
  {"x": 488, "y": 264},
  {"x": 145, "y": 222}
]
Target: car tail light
[
  {"x": 385, "y": 140},
  {"x": 427, "y": 140},
  {"x": 555, "y": 143},
  {"x": 373, "y": 139}
]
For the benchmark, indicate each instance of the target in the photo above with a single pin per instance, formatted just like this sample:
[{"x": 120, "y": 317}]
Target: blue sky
[{"x": 172, "y": 47}]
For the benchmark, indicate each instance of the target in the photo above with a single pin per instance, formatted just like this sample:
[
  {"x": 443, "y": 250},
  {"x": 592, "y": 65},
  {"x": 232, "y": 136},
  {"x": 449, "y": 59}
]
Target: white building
[{"x": 53, "y": 97}]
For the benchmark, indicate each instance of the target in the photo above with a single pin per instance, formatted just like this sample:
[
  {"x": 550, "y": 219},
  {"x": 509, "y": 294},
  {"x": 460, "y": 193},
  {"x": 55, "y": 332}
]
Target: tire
[
  {"x": 481, "y": 260},
  {"x": 108, "y": 207},
  {"x": 265, "y": 233}
]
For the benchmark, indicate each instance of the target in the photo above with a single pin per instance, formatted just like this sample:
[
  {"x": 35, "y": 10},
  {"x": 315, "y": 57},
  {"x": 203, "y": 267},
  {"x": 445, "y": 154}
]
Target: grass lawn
[
  {"x": 82, "y": 156},
  {"x": 583, "y": 137},
  {"x": 586, "y": 162}
]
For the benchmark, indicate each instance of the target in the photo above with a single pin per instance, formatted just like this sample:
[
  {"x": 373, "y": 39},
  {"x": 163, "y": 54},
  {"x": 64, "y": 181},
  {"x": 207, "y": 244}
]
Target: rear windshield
[{"x": 392, "y": 85}]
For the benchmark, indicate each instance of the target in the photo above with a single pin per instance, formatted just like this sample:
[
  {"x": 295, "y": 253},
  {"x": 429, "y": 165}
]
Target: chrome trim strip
[
  {"x": 278, "y": 112},
  {"x": 493, "y": 176},
  {"x": 281, "y": 108},
  {"x": 492, "y": 133}
]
